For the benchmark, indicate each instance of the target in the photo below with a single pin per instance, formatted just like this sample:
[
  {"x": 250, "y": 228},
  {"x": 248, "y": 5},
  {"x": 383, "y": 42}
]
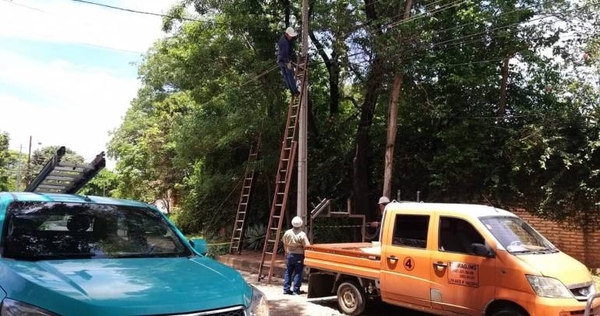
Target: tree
[
  {"x": 484, "y": 115},
  {"x": 4, "y": 162},
  {"x": 105, "y": 183}
]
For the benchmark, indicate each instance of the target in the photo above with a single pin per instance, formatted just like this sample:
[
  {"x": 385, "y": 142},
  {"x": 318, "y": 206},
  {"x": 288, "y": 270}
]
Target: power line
[{"x": 137, "y": 11}]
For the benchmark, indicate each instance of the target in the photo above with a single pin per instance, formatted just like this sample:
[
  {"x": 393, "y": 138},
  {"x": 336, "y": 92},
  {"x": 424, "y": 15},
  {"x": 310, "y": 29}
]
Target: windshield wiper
[{"x": 535, "y": 251}]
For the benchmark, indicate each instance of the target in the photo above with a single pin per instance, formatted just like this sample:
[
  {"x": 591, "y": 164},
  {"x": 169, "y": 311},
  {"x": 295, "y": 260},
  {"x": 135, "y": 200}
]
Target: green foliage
[
  {"x": 209, "y": 89},
  {"x": 254, "y": 237},
  {"x": 333, "y": 229},
  {"x": 217, "y": 249},
  {"x": 105, "y": 183},
  {"x": 4, "y": 162}
]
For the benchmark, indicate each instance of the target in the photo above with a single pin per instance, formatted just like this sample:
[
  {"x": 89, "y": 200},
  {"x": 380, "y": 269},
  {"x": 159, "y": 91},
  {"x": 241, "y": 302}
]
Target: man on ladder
[{"x": 285, "y": 51}]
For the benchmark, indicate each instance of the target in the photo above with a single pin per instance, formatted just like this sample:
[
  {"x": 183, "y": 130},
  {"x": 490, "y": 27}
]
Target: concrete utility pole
[{"x": 303, "y": 126}]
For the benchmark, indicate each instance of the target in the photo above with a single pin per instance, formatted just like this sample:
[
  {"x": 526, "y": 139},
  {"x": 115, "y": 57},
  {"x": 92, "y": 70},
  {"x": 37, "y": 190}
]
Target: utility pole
[
  {"x": 303, "y": 126},
  {"x": 28, "y": 174},
  {"x": 18, "y": 184}
]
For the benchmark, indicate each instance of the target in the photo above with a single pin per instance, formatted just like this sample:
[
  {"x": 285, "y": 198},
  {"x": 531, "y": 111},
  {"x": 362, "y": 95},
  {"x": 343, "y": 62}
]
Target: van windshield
[
  {"x": 516, "y": 236},
  {"x": 51, "y": 230}
]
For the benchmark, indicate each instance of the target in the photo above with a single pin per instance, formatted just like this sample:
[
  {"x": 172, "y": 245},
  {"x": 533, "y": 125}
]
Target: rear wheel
[{"x": 351, "y": 298}]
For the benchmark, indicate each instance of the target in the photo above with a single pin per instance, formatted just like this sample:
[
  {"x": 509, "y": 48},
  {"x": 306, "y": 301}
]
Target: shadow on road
[{"x": 293, "y": 307}]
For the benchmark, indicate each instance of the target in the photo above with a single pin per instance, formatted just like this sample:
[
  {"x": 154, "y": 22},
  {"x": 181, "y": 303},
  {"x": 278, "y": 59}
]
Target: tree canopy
[{"x": 498, "y": 105}]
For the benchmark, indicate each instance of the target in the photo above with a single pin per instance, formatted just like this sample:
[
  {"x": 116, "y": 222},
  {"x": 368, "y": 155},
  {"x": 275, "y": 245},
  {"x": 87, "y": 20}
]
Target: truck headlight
[
  {"x": 16, "y": 308},
  {"x": 548, "y": 287},
  {"x": 258, "y": 305}
]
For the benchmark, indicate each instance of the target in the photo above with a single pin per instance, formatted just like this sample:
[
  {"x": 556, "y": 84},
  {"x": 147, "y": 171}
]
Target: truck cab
[{"x": 450, "y": 259}]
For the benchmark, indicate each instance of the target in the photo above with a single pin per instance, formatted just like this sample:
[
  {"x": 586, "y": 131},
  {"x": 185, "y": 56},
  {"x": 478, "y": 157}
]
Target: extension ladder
[
  {"x": 282, "y": 180},
  {"x": 240, "y": 218},
  {"x": 65, "y": 177}
]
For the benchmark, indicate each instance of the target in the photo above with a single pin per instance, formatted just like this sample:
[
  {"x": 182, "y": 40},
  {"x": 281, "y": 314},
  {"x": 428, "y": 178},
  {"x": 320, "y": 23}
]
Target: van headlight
[
  {"x": 16, "y": 308},
  {"x": 548, "y": 287},
  {"x": 258, "y": 305}
]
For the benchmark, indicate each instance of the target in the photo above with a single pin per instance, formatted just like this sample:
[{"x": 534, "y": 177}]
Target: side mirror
[
  {"x": 199, "y": 244},
  {"x": 482, "y": 250}
]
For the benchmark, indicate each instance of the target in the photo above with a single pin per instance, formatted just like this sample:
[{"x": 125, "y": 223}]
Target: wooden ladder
[
  {"x": 240, "y": 218},
  {"x": 287, "y": 159}
]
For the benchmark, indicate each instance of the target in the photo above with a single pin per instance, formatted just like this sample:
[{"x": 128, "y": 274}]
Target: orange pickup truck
[{"x": 453, "y": 259}]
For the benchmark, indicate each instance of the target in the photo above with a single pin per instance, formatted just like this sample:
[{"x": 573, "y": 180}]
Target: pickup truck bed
[{"x": 359, "y": 259}]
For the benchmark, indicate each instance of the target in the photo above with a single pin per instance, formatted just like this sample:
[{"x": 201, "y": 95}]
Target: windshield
[
  {"x": 516, "y": 236},
  {"x": 43, "y": 230}
]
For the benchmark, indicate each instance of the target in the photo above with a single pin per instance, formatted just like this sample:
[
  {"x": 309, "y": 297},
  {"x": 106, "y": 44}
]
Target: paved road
[{"x": 289, "y": 305}]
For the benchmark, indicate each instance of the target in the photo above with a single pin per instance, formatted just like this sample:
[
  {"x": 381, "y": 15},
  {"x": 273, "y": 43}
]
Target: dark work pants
[
  {"x": 288, "y": 77},
  {"x": 294, "y": 268}
]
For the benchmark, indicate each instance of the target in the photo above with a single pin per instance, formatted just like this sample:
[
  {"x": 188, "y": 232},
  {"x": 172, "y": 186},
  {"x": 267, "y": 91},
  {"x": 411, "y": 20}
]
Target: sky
[{"x": 67, "y": 69}]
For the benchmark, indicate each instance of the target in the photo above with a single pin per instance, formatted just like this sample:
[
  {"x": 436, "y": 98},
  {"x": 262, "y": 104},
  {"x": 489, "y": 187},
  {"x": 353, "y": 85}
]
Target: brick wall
[{"x": 584, "y": 247}]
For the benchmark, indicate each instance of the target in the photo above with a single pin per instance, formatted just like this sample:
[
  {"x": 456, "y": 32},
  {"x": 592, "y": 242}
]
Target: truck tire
[
  {"x": 351, "y": 298},
  {"x": 508, "y": 311}
]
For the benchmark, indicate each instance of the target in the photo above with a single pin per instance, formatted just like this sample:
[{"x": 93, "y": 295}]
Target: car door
[
  {"x": 405, "y": 260},
  {"x": 462, "y": 282}
]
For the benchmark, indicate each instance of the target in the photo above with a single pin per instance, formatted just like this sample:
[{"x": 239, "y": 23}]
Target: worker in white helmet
[
  {"x": 383, "y": 201},
  {"x": 294, "y": 242},
  {"x": 285, "y": 52}
]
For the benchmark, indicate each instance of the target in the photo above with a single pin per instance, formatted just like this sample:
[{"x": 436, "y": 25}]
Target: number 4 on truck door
[{"x": 405, "y": 263}]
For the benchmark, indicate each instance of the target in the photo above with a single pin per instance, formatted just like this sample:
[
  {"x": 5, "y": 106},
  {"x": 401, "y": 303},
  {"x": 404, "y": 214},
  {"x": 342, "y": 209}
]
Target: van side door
[
  {"x": 462, "y": 281},
  {"x": 405, "y": 260}
]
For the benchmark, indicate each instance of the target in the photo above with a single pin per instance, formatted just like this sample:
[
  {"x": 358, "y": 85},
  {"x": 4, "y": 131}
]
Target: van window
[
  {"x": 411, "y": 231},
  {"x": 457, "y": 235}
]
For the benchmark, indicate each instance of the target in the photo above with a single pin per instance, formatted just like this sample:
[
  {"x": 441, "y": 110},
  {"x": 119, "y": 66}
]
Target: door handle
[
  {"x": 440, "y": 264},
  {"x": 392, "y": 258}
]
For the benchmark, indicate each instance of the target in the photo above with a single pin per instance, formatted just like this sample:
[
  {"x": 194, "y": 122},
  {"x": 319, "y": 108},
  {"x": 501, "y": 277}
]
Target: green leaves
[{"x": 469, "y": 129}]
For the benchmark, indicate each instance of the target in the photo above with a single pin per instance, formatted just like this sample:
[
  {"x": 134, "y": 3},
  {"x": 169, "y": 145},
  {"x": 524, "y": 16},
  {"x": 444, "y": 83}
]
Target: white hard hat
[
  {"x": 291, "y": 32},
  {"x": 383, "y": 200},
  {"x": 297, "y": 221}
]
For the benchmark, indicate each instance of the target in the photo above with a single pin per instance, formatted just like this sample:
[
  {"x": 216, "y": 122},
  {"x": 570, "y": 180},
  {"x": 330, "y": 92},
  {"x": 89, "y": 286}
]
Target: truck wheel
[
  {"x": 509, "y": 311},
  {"x": 351, "y": 298}
]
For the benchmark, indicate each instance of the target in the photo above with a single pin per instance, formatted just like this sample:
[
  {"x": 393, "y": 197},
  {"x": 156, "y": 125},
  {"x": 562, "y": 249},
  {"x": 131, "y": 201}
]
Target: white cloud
[
  {"x": 67, "y": 21},
  {"x": 80, "y": 105},
  {"x": 74, "y": 105}
]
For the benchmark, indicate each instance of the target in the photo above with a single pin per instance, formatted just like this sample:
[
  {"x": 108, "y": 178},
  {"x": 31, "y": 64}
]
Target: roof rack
[{"x": 65, "y": 177}]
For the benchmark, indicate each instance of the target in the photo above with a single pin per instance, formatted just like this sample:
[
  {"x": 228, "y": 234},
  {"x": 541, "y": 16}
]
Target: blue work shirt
[{"x": 285, "y": 49}]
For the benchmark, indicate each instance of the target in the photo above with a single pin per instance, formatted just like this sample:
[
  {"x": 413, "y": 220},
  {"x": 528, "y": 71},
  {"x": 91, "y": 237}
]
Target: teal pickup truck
[{"x": 64, "y": 254}]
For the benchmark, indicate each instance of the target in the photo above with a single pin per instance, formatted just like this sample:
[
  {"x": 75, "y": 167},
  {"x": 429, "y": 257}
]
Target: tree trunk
[
  {"x": 361, "y": 164},
  {"x": 333, "y": 69},
  {"x": 393, "y": 120},
  {"x": 391, "y": 136}
]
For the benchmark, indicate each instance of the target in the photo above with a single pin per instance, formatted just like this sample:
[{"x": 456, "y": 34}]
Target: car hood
[
  {"x": 560, "y": 266},
  {"x": 132, "y": 286}
]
